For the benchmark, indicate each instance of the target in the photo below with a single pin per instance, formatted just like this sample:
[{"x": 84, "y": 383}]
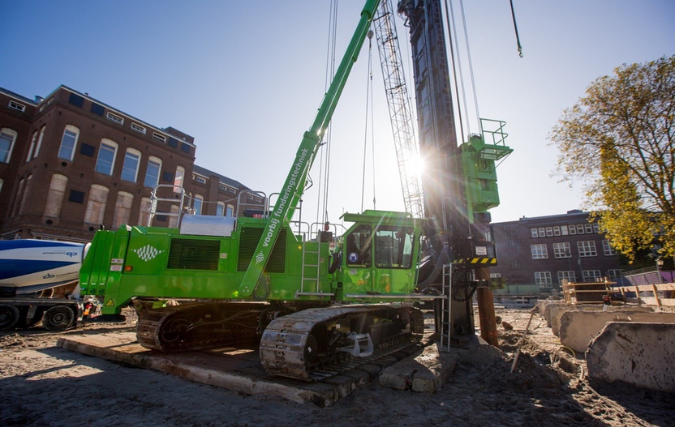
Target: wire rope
[
  {"x": 459, "y": 66},
  {"x": 468, "y": 53},
  {"x": 369, "y": 79}
]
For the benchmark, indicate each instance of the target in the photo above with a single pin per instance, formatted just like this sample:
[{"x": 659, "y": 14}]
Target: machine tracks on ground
[{"x": 317, "y": 344}]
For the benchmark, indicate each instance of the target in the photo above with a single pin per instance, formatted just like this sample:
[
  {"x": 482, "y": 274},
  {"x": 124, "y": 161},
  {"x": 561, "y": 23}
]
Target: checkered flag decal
[{"x": 147, "y": 252}]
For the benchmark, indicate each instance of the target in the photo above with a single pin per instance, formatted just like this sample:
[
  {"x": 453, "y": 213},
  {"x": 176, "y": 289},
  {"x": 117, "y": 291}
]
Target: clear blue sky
[{"x": 245, "y": 78}]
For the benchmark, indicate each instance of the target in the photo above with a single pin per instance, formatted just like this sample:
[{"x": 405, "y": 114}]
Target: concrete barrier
[
  {"x": 578, "y": 328},
  {"x": 639, "y": 354}
]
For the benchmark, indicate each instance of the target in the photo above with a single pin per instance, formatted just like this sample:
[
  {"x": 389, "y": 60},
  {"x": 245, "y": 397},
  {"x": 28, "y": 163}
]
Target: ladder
[
  {"x": 445, "y": 331},
  {"x": 311, "y": 271}
]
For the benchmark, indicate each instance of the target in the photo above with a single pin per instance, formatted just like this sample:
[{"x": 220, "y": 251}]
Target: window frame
[
  {"x": 114, "y": 118},
  {"x": 73, "y": 130},
  {"x": 10, "y": 148},
  {"x": 137, "y": 154},
  {"x": 585, "y": 276},
  {"x": 198, "y": 200},
  {"x": 16, "y": 106},
  {"x": 607, "y": 248},
  {"x": 587, "y": 248},
  {"x": 154, "y": 161},
  {"x": 138, "y": 128},
  {"x": 159, "y": 137},
  {"x": 559, "y": 252},
  {"x": 570, "y": 275},
  {"x": 109, "y": 144},
  {"x": 537, "y": 252},
  {"x": 543, "y": 279}
]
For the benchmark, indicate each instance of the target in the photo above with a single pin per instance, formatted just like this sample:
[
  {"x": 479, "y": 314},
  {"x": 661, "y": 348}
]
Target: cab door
[
  {"x": 358, "y": 274},
  {"x": 393, "y": 271}
]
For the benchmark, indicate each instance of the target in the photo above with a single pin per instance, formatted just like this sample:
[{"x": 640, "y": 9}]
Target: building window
[
  {"x": 570, "y": 276},
  {"x": 596, "y": 228},
  {"x": 588, "y": 228},
  {"x": 543, "y": 278},
  {"x": 591, "y": 276},
  {"x": 132, "y": 158},
  {"x": 26, "y": 194},
  {"x": 114, "y": 118},
  {"x": 607, "y": 248},
  {"x": 539, "y": 251},
  {"x": 542, "y": 232},
  {"x": 614, "y": 275},
  {"x": 152, "y": 172},
  {"x": 32, "y": 145},
  {"x": 220, "y": 209},
  {"x": 573, "y": 229},
  {"x": 158, "y": 137},
  {"x": 76, "y": 100},
  {"x": 16, "y": 106},
  {"x": 200, "y": 179},
  {"x": 7, "y": 139},
  {"x": 144, "y": 212},
  {"x": 98, "y": 197},
  {"x": 229, "y": 211},
  {"x": 556, "y": 231},
  {"x": 76, "y": 196},
  {"x": 586, "y": 248},
  {"x": 515, "y": 264},
  {"x": 197, "y": 204},
  {"x": 97, "y": 109},
  {"x": 580, "y": 228},
  {"x": 122, "y": 209},
  {"x": 106, "y": 157},
  {"x": 19, "y": 194},
  {"x": 178, "y": 179},
  {"x": 562, "y": 250},
  {"x": 69, "y": 142},
  {"x": 563, "y": 230},
  {"x": 39, "y": 142},
  {"x": 138, "y": 128},
  {"x": 549, "y": 231},
  {"x": 533, "y": 232},
  {"x": 57, "y": 190}
]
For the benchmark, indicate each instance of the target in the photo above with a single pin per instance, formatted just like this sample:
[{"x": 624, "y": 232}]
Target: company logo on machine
[
  {"x": 353, "y": 257},
  {"x": 260, "y": 258},
  {"x": 147, "y": 252}
]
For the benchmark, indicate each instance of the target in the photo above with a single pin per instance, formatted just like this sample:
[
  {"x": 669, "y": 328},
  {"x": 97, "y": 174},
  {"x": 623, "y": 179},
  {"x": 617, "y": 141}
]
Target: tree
[{"x": 619, "y": 140}]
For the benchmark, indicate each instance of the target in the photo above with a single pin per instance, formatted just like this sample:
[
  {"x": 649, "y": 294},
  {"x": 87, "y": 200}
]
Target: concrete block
[
  {"x": 425, "y": 372},
  {"x": 578, "y": 328},
  {"x": 639, "y": 354}
]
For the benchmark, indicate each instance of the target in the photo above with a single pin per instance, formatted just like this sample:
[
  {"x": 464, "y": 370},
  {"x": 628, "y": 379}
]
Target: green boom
[{"x": 295, "y": 182}]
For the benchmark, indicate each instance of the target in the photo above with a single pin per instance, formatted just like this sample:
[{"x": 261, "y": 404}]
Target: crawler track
[
  {"x": 305, "y": 345},
  {"x": 198, "y": 326}
]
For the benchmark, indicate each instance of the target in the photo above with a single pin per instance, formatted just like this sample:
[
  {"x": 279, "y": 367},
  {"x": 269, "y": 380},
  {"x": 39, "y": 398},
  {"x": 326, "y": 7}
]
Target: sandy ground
[{"x": 44, "y": 385}]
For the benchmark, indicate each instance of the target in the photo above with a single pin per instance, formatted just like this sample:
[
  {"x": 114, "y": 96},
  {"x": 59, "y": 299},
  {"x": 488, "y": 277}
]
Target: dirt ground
[{"x": 42, "y": 384}]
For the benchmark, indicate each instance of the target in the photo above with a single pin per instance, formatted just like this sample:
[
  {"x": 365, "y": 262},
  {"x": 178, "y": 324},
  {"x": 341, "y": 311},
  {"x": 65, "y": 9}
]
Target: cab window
[
  {"x": 393, "y": 247},
  {"x": 357, "y": 245}
]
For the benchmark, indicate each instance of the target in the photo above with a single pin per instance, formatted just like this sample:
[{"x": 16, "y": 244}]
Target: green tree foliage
[{"x": 619, "y": 140}]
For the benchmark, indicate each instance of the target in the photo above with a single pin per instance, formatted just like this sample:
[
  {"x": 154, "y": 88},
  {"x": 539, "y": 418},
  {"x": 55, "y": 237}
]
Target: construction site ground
[{"x": 44, "y": 384}]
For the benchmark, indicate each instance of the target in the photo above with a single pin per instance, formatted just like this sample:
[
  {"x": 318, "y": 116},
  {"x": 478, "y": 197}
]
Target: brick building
[
  {"x": 536, "y": 254},
  {"x": 70, "y": 164}
]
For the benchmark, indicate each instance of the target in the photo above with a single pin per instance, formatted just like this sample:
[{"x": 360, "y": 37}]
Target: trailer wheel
[
  {"x": 58, "y": 318},
  {"x": 9, "y": 316}
]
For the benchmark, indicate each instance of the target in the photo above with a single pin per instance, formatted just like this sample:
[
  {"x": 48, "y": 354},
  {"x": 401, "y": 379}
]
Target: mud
[{"x": 45, "y": 385}]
